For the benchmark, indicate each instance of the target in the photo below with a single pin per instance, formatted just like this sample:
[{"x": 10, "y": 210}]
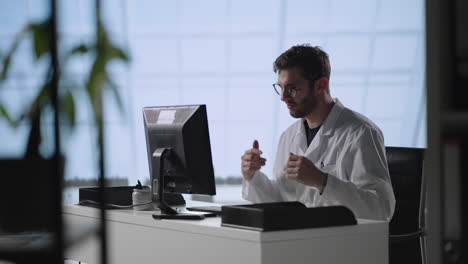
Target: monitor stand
[{"x": 166, "y": 211}]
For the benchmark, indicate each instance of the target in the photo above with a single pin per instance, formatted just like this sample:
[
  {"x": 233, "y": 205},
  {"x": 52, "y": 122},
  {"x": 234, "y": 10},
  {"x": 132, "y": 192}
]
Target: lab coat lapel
[
  {"x": 319, "y": 144},
  {"x": 300, "y": 140},
  {"x": 313, "y": 149}
]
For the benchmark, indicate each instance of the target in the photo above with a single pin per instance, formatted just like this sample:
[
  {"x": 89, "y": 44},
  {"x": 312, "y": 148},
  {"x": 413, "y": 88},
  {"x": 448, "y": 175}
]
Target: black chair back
[{"x": 407, "y": 241}]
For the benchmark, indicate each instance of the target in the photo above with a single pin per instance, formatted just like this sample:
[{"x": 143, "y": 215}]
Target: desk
[{"x": 135, "y": 237}]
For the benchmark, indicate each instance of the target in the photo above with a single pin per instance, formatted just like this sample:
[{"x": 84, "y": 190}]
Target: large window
[{"x": 220, "y": 53}]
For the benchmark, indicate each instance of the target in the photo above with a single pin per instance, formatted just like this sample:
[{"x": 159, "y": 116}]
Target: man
[{"x": 330, "y": 156}]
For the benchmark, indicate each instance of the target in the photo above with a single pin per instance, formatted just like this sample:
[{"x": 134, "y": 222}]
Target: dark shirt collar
[{"x": 310, "y": 132}]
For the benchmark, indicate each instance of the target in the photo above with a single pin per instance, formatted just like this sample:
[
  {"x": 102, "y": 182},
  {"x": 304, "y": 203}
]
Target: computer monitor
[{"x": 179, "y": 154}]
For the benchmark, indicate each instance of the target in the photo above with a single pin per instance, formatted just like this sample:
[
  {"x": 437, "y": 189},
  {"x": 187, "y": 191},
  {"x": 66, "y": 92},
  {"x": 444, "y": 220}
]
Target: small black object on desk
[
  {"x": 118, "y": 196},
  {"x": 138, "y": 186},
  {"x": 284, "y": 215}
]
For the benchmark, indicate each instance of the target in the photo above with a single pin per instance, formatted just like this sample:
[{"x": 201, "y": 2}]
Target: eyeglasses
[{"x": 291, "y": 91}]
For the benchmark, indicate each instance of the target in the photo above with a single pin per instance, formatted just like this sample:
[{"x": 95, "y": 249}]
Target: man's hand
[
  {"x": 251, "y": 161},
  {"x": 302, "y": 170}
]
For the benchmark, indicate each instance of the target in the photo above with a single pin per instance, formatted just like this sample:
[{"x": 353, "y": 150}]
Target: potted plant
[{"x": 28, "y": 178}]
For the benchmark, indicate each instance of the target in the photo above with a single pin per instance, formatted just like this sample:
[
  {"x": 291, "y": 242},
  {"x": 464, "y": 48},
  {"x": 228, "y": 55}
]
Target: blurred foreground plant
[{"x": 97, "y": 80}]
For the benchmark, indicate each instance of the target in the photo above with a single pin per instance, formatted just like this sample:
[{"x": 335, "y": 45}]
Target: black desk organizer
[
  {"x": 119, "y": 195},
  {"x": 284, "y": 216}
]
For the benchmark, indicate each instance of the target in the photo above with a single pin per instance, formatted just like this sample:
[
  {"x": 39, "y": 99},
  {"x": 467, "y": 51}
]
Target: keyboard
[{"x": 208, "y": 209}]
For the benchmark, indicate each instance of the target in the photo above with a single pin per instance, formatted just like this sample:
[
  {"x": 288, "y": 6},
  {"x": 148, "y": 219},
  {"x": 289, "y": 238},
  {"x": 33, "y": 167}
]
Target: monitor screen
[{"x": 179, "y": 151}]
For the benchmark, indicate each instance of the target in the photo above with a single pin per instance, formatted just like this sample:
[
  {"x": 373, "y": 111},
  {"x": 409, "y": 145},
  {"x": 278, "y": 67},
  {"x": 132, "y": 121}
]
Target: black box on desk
[
  {"x": 120, "y": 196},
  {"x": 284, "y": 215}
]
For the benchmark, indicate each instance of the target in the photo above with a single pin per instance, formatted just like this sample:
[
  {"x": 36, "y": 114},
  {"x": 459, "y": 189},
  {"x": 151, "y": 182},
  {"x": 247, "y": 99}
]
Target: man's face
[{"x": 301, "y": 102}]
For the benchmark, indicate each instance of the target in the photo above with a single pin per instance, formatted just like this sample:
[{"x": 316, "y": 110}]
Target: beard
[{"x": 303, "y": 107}]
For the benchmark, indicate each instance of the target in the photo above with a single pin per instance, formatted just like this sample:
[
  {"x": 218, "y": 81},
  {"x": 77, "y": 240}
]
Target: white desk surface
[
  {"x": 136, "y": 236},
  {"x": 212, "y": 225}
]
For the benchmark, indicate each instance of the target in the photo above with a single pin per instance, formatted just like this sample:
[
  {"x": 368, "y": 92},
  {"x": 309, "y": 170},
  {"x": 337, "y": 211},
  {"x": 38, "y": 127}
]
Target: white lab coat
[{"x": 350, "y": 148}]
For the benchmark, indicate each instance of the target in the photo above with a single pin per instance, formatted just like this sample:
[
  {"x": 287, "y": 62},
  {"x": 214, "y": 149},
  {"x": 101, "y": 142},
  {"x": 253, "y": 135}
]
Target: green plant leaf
[
  {"x": 41, "y": 38},
  {"x": 41, "y": 100},
  {"x": 5, "y": 66},
  {"x": 118, "y": 53},
  {"x": 6, "y": 60},
  {"x": 115, "y": 91},
  {"x": 80, "y": 49},
  {"x": 94, "y": 86},
  {"x": 67, "y": 107},
  {"x": 4, "y": 113}
]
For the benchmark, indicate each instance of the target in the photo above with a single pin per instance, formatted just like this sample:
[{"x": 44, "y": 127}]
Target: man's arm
[
  {"x": 257, "y": 187},
  {"x": 260, "y": 189},
  {"x": 368, "y": 192}
]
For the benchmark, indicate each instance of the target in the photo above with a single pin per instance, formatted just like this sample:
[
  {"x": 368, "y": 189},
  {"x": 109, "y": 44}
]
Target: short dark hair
[{"x": 313, "y": 61}]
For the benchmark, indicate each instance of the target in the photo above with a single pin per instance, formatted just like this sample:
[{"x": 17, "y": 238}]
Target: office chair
[{"x": 407, "y": 241}]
